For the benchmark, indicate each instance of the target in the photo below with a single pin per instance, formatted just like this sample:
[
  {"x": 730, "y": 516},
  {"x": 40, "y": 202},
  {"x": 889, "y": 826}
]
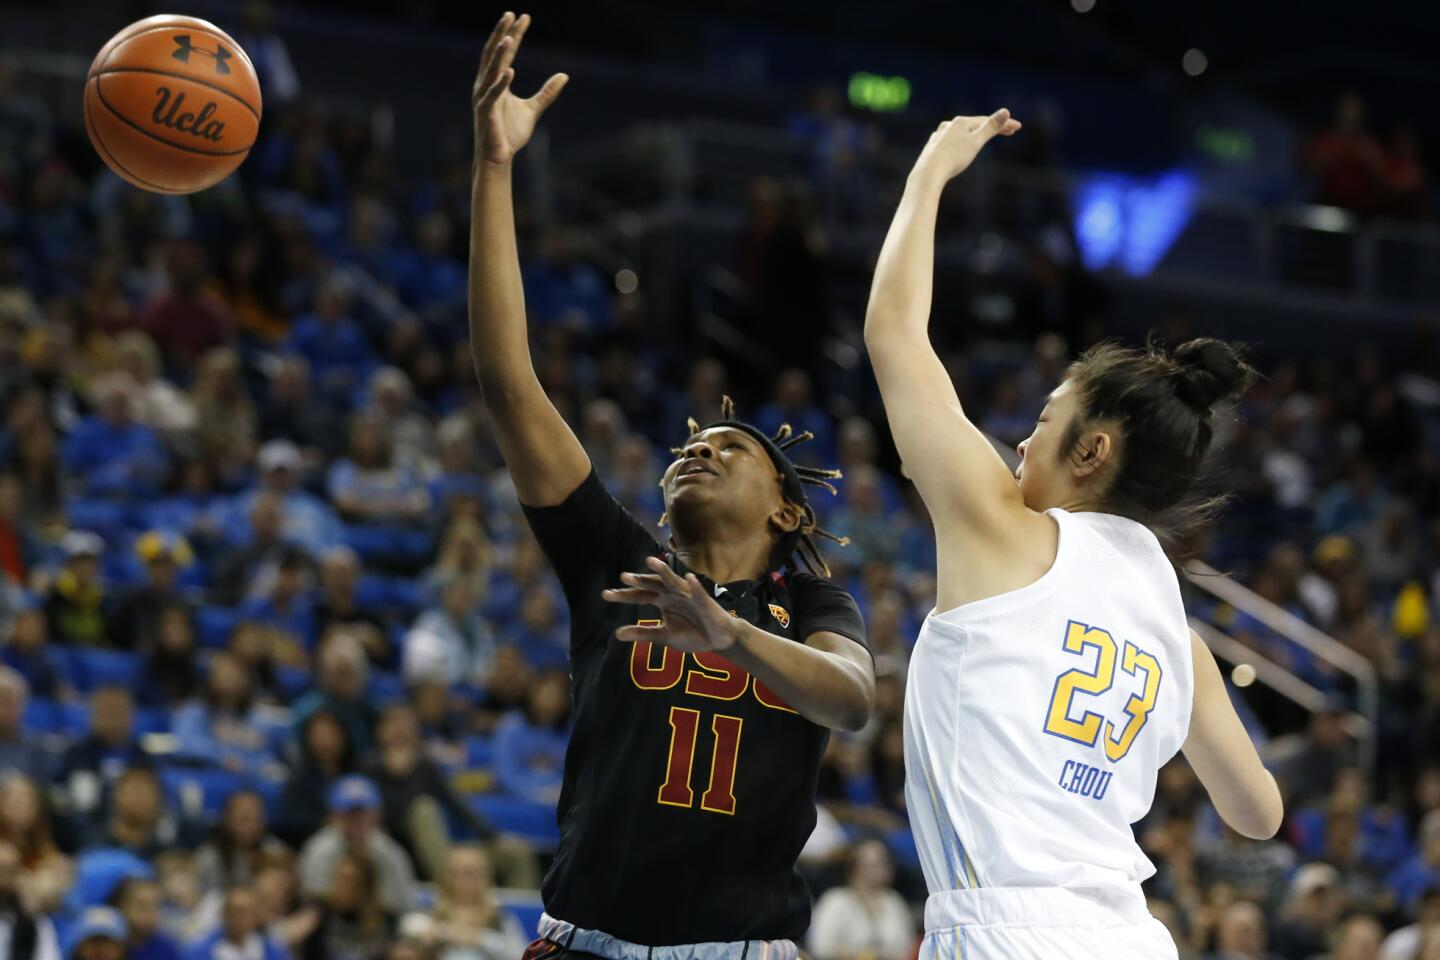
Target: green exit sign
[
  {"x": 869, "y": 91},
  {"x": 1226, "y": 144}
]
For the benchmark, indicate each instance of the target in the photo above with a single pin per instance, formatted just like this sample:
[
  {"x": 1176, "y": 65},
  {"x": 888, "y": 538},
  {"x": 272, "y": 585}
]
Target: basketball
[{"x": 172, "y": 104}]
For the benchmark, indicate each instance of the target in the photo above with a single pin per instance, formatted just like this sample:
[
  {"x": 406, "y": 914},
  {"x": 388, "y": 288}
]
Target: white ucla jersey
[{"x": 1036, "y": 721}]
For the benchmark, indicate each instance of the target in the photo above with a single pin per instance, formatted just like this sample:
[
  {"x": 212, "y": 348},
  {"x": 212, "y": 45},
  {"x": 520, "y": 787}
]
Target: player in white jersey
[{"x": 1057, "y": 673}]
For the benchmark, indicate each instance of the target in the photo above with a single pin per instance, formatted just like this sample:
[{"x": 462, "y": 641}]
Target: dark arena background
[{"x": 255, "y": 535}]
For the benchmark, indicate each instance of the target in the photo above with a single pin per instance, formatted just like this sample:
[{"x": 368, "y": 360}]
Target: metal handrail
[{"x": 1367, "y": 684}]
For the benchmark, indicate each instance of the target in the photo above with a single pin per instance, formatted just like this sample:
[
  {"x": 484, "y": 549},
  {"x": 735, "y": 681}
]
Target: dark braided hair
[
  {"x": 1163, "y": 399},
  {"x": 803, "y": 541}
]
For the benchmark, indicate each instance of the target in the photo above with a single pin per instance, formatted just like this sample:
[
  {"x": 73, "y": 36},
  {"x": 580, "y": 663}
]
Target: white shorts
[{"x": 1043, "y": 923}]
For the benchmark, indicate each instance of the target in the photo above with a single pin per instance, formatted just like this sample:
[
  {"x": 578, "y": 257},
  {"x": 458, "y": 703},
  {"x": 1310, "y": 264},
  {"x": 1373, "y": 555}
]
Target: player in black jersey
[{"x": 705, "y": 672}]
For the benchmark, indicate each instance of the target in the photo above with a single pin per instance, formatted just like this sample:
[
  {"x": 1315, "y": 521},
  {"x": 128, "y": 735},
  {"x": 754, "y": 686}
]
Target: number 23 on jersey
[{"x": 1143, "y": 670}]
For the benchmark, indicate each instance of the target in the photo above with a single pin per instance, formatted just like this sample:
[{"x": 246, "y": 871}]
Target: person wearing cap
[
  {"x": 77, "y": 602},
  {"x": 135, "y": 623},
  {"x": 1313, "y": 906},
  {"x": 309, "y": 521},
  {"x": 23, "y": 935},
  {"x": 101, "y": 934},
  {"x": 355, "y": 808}
]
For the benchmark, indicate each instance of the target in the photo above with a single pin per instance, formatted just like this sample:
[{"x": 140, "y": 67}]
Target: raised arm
[
  {"x": 958, "y": 473},
  {"x": 543, "y": 455},
  {"x": 1222, "y": 756}
]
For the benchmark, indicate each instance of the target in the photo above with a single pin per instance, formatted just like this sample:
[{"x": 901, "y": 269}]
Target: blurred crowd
[{"x": 284, "y": 673}]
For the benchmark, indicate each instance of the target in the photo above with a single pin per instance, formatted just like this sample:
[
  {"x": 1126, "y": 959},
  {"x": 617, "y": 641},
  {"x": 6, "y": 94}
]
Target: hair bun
[{"x": 1209, "y": 371}]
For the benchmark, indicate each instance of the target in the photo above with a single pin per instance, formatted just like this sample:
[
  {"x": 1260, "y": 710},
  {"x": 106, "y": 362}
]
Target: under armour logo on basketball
[{"x": 220, "y": 55}]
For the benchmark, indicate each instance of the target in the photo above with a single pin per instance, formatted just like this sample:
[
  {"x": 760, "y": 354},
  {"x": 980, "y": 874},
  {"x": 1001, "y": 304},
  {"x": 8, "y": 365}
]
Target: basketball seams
[
  {"x": 211, "y": 31},
  {"x": 100, "y": 92},
  {"x": 180, "y": 76},
  {"x": 110, "y": 158}
]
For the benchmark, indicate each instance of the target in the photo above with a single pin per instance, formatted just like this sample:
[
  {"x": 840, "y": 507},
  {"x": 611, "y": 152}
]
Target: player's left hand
[{"x": 690, "y": 619}]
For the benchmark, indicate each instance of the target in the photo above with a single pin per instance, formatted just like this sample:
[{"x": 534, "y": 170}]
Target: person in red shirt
[
  {"x": 191, "y": 318},
  {"x": 1347, "y": 161}
]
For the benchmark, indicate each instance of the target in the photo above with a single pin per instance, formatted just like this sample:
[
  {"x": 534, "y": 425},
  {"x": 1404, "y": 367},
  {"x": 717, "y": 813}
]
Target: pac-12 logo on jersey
[
  {"x": 1091, "y": 728},
  {"x": 781, "y": 615}
]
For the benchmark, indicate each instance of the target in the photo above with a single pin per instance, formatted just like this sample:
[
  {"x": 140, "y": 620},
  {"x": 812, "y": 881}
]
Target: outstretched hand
[
  {"x": 690, "y": 619},
  {"x": 503, "y": 121},
  {"x": 956, "y": 142}
]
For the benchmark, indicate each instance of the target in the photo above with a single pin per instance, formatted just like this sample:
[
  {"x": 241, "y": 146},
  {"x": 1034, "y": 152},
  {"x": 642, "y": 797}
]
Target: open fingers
[
  {"x": 505, "y": 55},
  {"x": 635, "y": 595},
  {"x": 546, "y": 95},
  {"x": 635, "y": 633},
  {"x": 501, "y": 84},
  {"x": 484, "y": 76},
  {"x": 669, "y": 577}
]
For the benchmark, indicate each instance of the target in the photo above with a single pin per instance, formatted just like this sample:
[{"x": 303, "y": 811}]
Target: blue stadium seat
[
  {"x": 105, "y": 517},
  {"x": 214, "y": 786},
  {"x": 41, "y": 716},
  {"x": 91, "y": 668},
  {"x": 371, "y": 593},
  {"x": 392, "y": 545},
  {"x": 74, "y": 719},
  {"x": 533, "y": 821},
  {"x": 479, "y": 752},
  {"x": 152, "y": 720},
  {"x": 525, "y": 907},
  {"x": 386, "y": 688},
  {"x": 99, "y": 872},
  {"x": 291, "y": 682},
  {"x": 214, "y": 625}
]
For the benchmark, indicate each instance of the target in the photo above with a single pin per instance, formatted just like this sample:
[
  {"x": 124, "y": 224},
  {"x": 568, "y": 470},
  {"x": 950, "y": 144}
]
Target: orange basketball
[{"x": 172, "y": 104}]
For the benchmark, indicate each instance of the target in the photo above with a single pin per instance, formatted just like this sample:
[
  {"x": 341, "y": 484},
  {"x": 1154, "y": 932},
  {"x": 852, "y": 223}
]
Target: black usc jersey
[{"x": 689, "y": 786}]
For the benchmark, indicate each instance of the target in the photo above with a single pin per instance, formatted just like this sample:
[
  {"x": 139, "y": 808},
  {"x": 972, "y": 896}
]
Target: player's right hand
[
  {"x": 503, "y": 121},
  {"x": 956, "y": 142}
]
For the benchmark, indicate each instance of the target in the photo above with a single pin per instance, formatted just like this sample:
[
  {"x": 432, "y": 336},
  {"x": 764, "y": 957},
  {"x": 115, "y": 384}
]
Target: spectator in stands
[
  {"x": 506, "y": 689},
  {"x": 267, "y": 50},
  {"x": 793, "y": 402},
  {"x": 225, "y": 726},
  {"x": 291, "y": 412},
  {"x": 18, "y": 547},
  {"x": 1240, "y": 934},
  {"x": 240, "y": 840},
  {"x": 339, "y": 609},
  {"x": 190, "y": 318},
  {"x": 1420, "y": 872},
  {"x": 458, "y": 474},
  {"x": 419, "y": 805},
  {"x": 101, "y": 934},
  {"x": 326, "y": 755},
  {"x": 240, "y": 933},
  {"x": 866, "y": 917},
  {"x": 114, "y": 454},
  {"x": 1351, "y": 505},
  {"x": 340, "y": 355},
  {"x": 93, "y": 764},
  {"x": 541, "y": 631},
  {"x": 19, "y": 750},
  {"x": 78, "y": 600},
  {"x": 1404, "y": 943},
  {"x": 1313, "y": 907},
  {"x": 27, "y": 652},
  {"x": 1254, "y": 870},
  {"x": 354, "y": 830},
  {"x": 308, "y": 520},
  {"x": 355, "y": 918},
  {"x": 169, "y": 676},
  {"x": 139, "y": 901},
  {"x": 43, "y": 473},
  {"x": 281, "y": 597},
  {"x": 466, "y": 553},
  {"x": 412, "y": 436},
  {"x": 25, "y": 934},
  {"x": 236, "y": 566},
  {"x": 469, "y": 922},
  {"x": 1359, "y": 937},
  {"x": 1307, "y": 764},
  {"x": 530, "y": 746},
  {"x": 451, "y": 640},
  {"x": 137, "y": 819},
  {"x": 370, "y": 486},
  {"x": 341, "y": 684},
  {"x": 1347, "y": 162},
  {"x": 25, "y": 824},
  {"x": 278, "y": 888},
  {"x": 159, "y": 404},
  {"x": 135, "y": 622}
]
